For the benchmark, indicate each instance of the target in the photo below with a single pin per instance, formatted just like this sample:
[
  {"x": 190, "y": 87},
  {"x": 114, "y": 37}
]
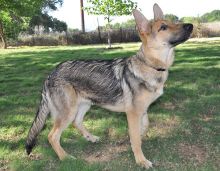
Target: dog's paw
[
  {"x": 146, "y": 164},
  {"x": 92, "y": 138},
  {"x": 71, "y": 157},
  {"x": 68, "y": 157}
]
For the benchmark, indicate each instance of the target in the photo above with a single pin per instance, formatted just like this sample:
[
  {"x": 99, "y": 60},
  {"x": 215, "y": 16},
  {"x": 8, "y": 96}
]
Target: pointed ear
[
  {"x": 158, "y": 13},
  {"x": 141, "y": 22}
]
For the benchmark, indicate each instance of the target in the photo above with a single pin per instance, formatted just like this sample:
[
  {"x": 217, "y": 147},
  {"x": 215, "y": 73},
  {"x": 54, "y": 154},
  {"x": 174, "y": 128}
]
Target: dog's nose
[{"x": 188, "y": 27}]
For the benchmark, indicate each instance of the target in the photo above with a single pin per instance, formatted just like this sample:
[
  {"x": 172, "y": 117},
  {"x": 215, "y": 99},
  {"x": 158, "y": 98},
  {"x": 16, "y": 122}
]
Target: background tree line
[
  {"x": 207, "y": 17},
  {"x": 23, "y": 15},
  {"x": 27, "y": 15}
]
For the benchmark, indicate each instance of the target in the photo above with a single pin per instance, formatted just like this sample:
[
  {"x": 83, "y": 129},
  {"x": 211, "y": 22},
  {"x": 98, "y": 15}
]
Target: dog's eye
[{"x": 163, "y": 27}]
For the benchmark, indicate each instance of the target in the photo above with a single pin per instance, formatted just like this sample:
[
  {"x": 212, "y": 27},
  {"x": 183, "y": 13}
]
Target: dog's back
[{"x": 98, "y": 80}]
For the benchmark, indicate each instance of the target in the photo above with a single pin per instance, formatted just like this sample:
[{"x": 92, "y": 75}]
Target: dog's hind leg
[
  {"x": 78, "y": 122},
  {"x": 63, "y": 104},
  {"x": 54, "y": 137}
]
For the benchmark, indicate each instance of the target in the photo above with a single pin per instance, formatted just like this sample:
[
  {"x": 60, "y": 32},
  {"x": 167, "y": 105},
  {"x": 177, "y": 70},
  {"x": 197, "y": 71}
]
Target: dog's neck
[{"x": 158, "y": 59}]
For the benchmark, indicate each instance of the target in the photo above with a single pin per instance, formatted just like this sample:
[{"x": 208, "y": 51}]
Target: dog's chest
[
  {"x": 157, "y": 93},
  {"x": 154, "y": 83},
  {"x": 154, "y": 86}
]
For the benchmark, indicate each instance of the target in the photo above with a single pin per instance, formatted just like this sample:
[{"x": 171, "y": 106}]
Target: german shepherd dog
[{"x": 127, "y": 85}]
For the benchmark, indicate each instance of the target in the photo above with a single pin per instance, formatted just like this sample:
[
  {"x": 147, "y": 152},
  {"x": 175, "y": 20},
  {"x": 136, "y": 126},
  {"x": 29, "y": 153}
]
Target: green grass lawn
[{"x": 184, "y": 129}]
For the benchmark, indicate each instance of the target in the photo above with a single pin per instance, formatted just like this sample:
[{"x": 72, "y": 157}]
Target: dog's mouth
[
  {"x": 180, "y": 40},
  {"x": 184, "y": 35}
]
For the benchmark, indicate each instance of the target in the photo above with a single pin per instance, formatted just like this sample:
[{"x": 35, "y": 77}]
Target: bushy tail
[{"x": 38, "y": 122}]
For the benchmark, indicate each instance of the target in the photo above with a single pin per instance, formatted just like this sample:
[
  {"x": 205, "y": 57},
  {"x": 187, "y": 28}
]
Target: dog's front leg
[
  {"x": 134, "y": 125},
  {"x": 144, "y": 125}
]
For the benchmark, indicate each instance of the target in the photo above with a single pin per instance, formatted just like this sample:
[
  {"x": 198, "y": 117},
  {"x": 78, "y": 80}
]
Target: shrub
[
  {"x": 206, "y": 30},
  {"x": 69, "y": 38},
  {"x": 94, "y": 37},
  {"x": 51, "y": 39}
]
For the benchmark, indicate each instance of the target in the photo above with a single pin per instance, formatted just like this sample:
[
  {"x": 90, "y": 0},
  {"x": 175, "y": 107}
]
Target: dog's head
[{"x": 160, "y": 33}]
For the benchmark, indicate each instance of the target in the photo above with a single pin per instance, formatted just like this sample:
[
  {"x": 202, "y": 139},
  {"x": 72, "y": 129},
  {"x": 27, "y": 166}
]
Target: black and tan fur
[{"x": 127, "y": 85}]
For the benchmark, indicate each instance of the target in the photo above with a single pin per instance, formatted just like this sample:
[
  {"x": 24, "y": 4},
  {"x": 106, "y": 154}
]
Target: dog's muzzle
[{"x": 183, "y": 35}]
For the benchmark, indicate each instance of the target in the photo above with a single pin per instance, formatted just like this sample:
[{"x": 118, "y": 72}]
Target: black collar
[{"x": 160, "y": 69}]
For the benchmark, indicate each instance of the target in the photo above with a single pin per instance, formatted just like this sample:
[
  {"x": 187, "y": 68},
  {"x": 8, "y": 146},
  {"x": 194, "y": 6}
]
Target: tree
[
  {"x": 109, "y": 8},
  {"x": 41, "y": 20},
  {"x": 17, "y": 14},
  {"x": 211, "y": 16},
  {"x": 190, "y": 19},
  {"x": 127, "y": 24},
  {"x": 171, "y": 17},
  {"x": 207, "y": 17},
  {"x": 9, "y": 12},
  {"x": 59, "y": 25},
  {"x": 48, "y": 22}
]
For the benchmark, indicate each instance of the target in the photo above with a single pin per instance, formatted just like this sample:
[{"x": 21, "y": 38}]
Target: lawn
[{"x": 184, "y": 129}]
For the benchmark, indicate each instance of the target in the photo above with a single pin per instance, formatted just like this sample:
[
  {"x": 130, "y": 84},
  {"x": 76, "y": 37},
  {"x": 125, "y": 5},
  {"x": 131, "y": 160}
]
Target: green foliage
[
  {"x": 48, "y": 22},
  {"x": 128, "y": 24},
  {"x": 171, "y": 17},
  {"x": 110, "y": 7},
  {"x": 42, "y": 19},
  {"x": 20, "y": 8},
  {"x": 211, "y": 16},
  {"x": 190, "y": 19},
  {"x": 207, "y": 17},
  {"x": 51, "y": 4},
  {"x": 13, "y": 27},
  {"x": 59, "y": 25},
  {"x": 15, "y": 15},
  {"x": 73, "y": 30}
]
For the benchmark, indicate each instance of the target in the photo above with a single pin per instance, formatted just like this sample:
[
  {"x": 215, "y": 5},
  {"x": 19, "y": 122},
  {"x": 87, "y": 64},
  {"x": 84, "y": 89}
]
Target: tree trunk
[
  {"x": 109, "y": 34},
  {"x": 109, "y": 39},
  {"x": 121, "y": 39},
  {"x": 2, "y": 36},
  {"x": 82, "y": 16},
  {"x": 99, "y": 32}
]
